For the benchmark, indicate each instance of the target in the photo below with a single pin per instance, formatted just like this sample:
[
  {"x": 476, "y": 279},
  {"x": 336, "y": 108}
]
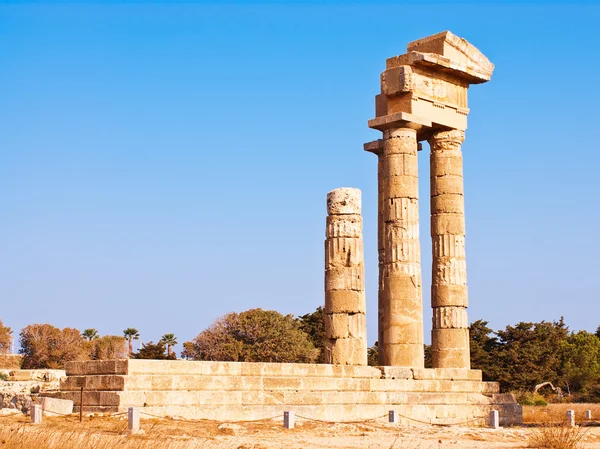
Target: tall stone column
[
  {"x": 376, "y": 147},
  {"x": 345, "y": 305},
  {"x": 450, "y": 331},
  {"x": 402, "y": 299},
  {"x": 381, "y": 256}
]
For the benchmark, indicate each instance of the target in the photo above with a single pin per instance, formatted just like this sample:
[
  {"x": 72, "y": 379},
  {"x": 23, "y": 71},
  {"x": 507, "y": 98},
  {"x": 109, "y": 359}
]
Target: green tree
[
  {"x": 253, "y": 336},
  {"x": 170, "y": 340},
  {"x": 428, "y": 354},
  {"x": 482, "y": 344},
  {"x": 131, "y": 333},
  {"x": 314, "y": 325},
  {"x": 373, "y": 355},
  {"x": 90, "y": 334},
  {"x": 529, "y": 353},
  {"x": 581, "y": 362},
  {"x": 598, "y": 332},
  {"x": 5, "y": 338},
  {"x": 45, "y": 346},
  {"x": 154, "y": 351}
]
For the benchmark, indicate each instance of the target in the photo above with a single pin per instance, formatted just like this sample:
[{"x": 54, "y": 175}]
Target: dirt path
[{"x": 109, "y": 432}]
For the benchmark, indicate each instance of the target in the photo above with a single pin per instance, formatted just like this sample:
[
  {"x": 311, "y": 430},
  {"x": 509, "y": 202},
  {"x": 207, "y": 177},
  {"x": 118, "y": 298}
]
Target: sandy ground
[{"x": 307, "y": 434}]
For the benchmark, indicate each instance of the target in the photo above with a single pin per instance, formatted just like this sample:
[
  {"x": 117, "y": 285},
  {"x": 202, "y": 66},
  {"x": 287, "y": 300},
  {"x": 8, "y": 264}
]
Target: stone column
[
  {"x": 345, "y": 305},
  {"x": 381, "y": 256},
  {"x": 450, "y": 331},
  {"x": 402, "y": 299}
]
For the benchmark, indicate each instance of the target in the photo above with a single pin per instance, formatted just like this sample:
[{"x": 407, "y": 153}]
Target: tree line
[
  {"x": 519, "y": 357},
  {"x": 44, "y": 346}
]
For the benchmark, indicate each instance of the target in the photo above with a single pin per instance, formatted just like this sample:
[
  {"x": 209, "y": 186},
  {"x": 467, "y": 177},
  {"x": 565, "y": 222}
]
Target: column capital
[
  {"x": 447, "y": 140},
  {"x": 376, "y": 147}
]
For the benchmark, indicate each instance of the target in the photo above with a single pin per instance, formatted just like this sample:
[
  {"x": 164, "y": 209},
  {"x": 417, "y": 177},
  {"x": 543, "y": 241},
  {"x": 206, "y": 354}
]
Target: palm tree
[
  {"x": 131, "y": 333},
  {"x": 170, "y": 340},
  {"x": 90, "y": 334}
]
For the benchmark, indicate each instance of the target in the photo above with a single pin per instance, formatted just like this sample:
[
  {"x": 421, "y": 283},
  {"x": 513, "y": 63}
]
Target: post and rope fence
[{"x": 289, "y": 418}]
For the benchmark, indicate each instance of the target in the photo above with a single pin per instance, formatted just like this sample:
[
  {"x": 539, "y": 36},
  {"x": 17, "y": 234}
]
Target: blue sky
[{"x": 164, "y": 164}]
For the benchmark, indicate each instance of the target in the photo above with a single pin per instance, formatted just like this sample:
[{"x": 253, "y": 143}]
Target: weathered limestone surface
[
  {"x": 345, "y": 306},
  {"x": 450, "y": 331},
  {"x": 56, "y": 406},
  {"x": 233, "y": 391}
]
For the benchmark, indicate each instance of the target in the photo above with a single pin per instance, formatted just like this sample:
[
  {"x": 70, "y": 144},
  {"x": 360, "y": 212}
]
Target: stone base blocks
[
  {"x": 345, "y": 306},
  {"x": 230, "y": 391},
  {"x": 56, "y": 406}
]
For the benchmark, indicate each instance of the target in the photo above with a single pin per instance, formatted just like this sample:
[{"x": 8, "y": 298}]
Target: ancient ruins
[
  {"x": 423, "y": 98},
  {"x": 345, "y": 303}
]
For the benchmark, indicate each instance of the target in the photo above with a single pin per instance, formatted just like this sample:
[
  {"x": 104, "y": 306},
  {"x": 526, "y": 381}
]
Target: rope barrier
[
  {"x": 56, "y": 413},
  {"x": 443, "y": 424},
  {"x": 399, "y": 415},
  {"x": 199, "y": 420},
  {"x": 341, "y": 422},
  {"x": 71, "y": 414},
  {"x": 364, "y": 421}
]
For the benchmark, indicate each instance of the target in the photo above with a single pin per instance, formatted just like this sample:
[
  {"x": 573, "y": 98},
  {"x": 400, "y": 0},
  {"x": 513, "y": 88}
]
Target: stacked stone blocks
[
  {"x": 402, "y": 300},
  {"x": 450, "y": 330},
  {"x": 345, "y": 305},
  {"x": 245, "y": 391}
]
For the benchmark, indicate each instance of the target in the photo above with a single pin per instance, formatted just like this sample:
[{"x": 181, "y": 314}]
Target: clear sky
[{"x": 164, "y": 164}]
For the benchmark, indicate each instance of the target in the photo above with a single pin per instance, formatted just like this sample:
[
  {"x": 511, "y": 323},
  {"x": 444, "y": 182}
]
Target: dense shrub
[{"x": 253, "y": 336}]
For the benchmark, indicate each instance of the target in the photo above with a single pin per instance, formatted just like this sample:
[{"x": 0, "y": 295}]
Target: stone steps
[
  {"x": 230, "y": 391},
  {"x": 171, "y": 367},
  {"x": 178, "y": 382},
  {"x": 291, "y": 398}
]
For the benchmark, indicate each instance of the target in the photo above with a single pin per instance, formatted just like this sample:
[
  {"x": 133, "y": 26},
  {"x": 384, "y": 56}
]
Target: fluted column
[
  {"x": 402, "y": 299},
  {"x": 450, "y": 331},
  {"x": 345, "y": 305}
]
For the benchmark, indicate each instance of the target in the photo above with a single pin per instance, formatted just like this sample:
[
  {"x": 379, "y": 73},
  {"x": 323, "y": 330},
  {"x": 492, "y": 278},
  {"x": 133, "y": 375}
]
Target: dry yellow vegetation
[{"x": 553, "y": 413}]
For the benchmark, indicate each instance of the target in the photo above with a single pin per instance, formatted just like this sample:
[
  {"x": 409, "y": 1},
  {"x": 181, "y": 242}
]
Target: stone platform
[{"x": 230, "y": 391}]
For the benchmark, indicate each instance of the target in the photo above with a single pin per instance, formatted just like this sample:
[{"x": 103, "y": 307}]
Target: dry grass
[
  {"x": 553, "y": 413},
  {"x": 16, "y": 432},
  {"x": 557, "y": 436},
  {"x": 552, "y": 431},
  {"x": 68, "y": 433}
]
